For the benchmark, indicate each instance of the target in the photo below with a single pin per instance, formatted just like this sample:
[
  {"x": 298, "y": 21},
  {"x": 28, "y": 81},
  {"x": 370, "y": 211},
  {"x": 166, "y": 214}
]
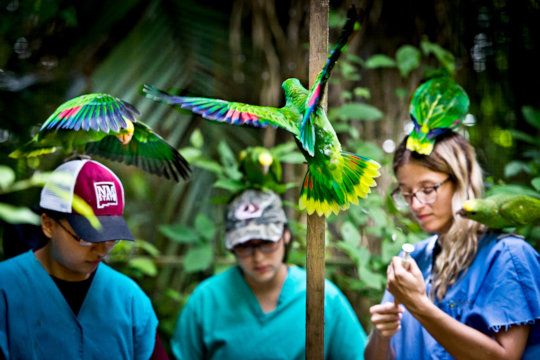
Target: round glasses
[
  {"x": 246, "y": 250},
  {"x": 109, "y": 243},
  {"x": 426, "y": 195}
]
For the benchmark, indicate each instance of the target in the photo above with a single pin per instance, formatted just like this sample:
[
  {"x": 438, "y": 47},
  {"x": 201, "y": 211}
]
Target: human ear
[
  {"x": 286, "y": 236},
  {"x": 47, "y": 225}
]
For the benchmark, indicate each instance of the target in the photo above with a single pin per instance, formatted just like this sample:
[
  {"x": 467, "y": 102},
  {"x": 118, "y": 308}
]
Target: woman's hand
[
  {"x": 386, "y": 318},
  {"x": 406, "y": 283}
]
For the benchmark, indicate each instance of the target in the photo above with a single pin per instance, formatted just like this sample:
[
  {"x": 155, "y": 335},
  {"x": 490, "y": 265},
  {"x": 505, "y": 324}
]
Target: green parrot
[
  {"x": 502, "y": 210},
  {"x": 438, "y": 105},
  {"x": 103, "y": 125},
  {"x": 261, "y": 169},
  {"x": 334, "y": 178}
]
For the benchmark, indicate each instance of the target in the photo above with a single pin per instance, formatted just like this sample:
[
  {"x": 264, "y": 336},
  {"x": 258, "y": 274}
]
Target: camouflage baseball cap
[{"x": 254, "y": 215}]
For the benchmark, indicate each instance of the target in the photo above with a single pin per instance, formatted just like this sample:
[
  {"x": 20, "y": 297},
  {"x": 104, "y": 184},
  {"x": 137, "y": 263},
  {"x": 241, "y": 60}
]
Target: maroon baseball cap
[{"x": 99, "y": 187}]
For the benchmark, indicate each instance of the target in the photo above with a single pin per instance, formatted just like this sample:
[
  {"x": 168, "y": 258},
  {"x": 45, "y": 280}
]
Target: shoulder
[
  {"x": 226, "y": 279},
  {"x": 118, "y": 283},
  {"x": 507, "y": 245},
  {"x": 13, "y": 265}
]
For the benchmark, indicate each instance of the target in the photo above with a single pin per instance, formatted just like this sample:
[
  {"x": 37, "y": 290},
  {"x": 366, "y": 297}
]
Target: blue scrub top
[
  {"x": 116, "y": 319},
  {"x": 501, "y": 288},
  {"x": 223, "y": 320}
]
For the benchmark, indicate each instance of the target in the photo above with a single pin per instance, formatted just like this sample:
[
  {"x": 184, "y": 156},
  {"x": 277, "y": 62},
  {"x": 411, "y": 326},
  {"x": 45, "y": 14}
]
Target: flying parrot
[
  {"x": 334, "y": 178},
  {"x": 438, "y": 105},
  {"x": 261, "y": 169},
  {"x": 100, "y": 124},
  {"x": 502, "y": 210}
]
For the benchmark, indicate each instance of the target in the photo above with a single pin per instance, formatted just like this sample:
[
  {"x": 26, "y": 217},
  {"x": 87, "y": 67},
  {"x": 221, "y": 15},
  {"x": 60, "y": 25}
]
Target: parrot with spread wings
[
  {"x": 103, "y": 125},
  {"x": 335, "y": 178},
  {"x": 503, "y": 210},
  {"x": 438, "y": 105}
]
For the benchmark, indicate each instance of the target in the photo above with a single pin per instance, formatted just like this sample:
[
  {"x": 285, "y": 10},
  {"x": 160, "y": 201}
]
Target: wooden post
[{"x": 318, "y": 52}]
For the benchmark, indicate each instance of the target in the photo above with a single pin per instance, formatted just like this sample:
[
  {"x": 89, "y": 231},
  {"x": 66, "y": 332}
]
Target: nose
[
  {"x": 415, "y": 204},
  {"x": 257, "y": 253},
  {"x": 102, "y": 248}
]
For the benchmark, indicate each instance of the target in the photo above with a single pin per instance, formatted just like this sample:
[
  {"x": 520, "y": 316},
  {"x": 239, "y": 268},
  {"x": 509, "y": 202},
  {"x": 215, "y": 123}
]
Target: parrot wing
[
  {"x": 520, "y": 209},
  {"x": 146, "y": 150},
  {"x": 438, "y": 105},
  {"x": 97, "y": 112},
  {"x": 307, "y": 129},
  {"x": 233, "y": 113}
]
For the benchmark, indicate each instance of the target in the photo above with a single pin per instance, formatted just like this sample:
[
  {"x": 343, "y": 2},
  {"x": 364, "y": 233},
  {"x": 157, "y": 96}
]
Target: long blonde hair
[{"x": 454, "y": 156}]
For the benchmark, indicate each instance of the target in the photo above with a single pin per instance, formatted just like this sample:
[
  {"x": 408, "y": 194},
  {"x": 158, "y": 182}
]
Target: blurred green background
[{"x": 241, "y": 50}]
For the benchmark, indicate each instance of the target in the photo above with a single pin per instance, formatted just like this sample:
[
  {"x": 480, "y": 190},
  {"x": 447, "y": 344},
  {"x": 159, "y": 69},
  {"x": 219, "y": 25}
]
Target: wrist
[{"x": 421, "y": 306}]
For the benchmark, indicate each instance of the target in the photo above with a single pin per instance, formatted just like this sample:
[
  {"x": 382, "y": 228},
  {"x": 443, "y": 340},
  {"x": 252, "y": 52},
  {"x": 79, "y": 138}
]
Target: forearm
[
  {"x": 461, "y": 341},
  {"x": 378, "y": 347}
]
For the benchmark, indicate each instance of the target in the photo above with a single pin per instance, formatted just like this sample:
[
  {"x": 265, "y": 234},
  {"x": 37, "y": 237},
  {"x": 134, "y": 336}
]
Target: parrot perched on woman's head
[
  {"x": 437, "y": 106},
  {"x": 503, "y": 210},
  {"x": 335, "y": 178},
  {"x": 100, "y": 124}
]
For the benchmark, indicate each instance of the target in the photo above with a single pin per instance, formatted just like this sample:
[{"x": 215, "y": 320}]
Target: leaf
[
  {"x": 179, "y": 233},
  {"x": 407, "y": 58},
  {"x": 379, "y": 216},
  {"x": 531, "y": 115},
  {"x": 205, "y": 227},
  {"x": 444, "y": 56},
  {"x": 293, "y": 157},
  {"x": 520, "y": 135},
  {"x": 190, "y": 153},
  {"x": 206, "y": 164},
  {"x": 358, "y": 111},
  {"x": 196, "y": 139},
  {"x": 371, "y": 279},
  {"x": 147, "y": 246},
  {"x": 228, "y": 159},
  {"x": 378, "y": 61},
  {"x": 536, "y": 183},
  {"x": 515, "y": 167},
  {"x": 362, "y": 92},
  {"x": 350, "y": 234},
  {"x": 144, "y": 265},
  {"x": 230, "y": 184},
  {"x": 16, "y": 214},
  {"x": 511, "y": 189},
  {"x": 198, "y": 259},
  {"x": 7, "y": 176}
]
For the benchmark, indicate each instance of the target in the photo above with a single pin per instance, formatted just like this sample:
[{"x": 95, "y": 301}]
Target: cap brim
[
  {"x": 113, "y": 227},
  {"x": 240, "y": 235}
]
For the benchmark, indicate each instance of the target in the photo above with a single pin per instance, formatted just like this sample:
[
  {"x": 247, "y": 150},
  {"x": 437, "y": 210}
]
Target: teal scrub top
[
  {"x": 116, "y": 319},
  {"x": 223, "y": 320}
]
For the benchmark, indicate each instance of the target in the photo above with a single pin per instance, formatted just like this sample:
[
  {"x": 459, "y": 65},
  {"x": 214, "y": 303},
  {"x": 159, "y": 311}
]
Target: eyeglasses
[
  {"x": 247, "y": 250},
  {"x": 427, "y": 195},
  {"x": 109, "y": 243}
]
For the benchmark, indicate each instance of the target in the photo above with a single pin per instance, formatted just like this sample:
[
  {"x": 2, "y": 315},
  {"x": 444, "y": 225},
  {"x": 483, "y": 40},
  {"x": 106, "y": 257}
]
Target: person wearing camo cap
[{"x": 257, "y": 309}]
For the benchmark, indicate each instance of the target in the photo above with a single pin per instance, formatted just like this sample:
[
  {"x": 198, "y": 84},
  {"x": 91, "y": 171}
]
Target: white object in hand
[{"x": 407, "y": 250}]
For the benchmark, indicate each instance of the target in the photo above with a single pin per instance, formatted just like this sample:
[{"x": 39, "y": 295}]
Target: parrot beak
[
  {"x": 462, "y": 212},
  {"x": 125, "y": 138},
  {"x": 126, "y": 134},
  {"x": 265, "y": 159}
]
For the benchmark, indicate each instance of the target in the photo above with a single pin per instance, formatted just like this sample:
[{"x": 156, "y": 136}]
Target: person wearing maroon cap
[{"x": 61, "y": 300}]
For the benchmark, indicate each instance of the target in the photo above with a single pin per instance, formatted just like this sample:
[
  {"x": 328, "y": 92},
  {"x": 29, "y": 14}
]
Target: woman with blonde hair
[{"x": 467, "y": 292}]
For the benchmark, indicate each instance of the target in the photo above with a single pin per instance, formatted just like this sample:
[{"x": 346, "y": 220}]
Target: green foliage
[
  {"x": 136, "y": 259},
  {"x": 523, "y": 176},
  {"x": 198, "y": 240},
  {"x": 8, "y": 184}
]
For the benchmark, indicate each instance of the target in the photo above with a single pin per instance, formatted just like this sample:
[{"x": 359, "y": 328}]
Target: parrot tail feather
[{"x": 329, "y": 191}]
